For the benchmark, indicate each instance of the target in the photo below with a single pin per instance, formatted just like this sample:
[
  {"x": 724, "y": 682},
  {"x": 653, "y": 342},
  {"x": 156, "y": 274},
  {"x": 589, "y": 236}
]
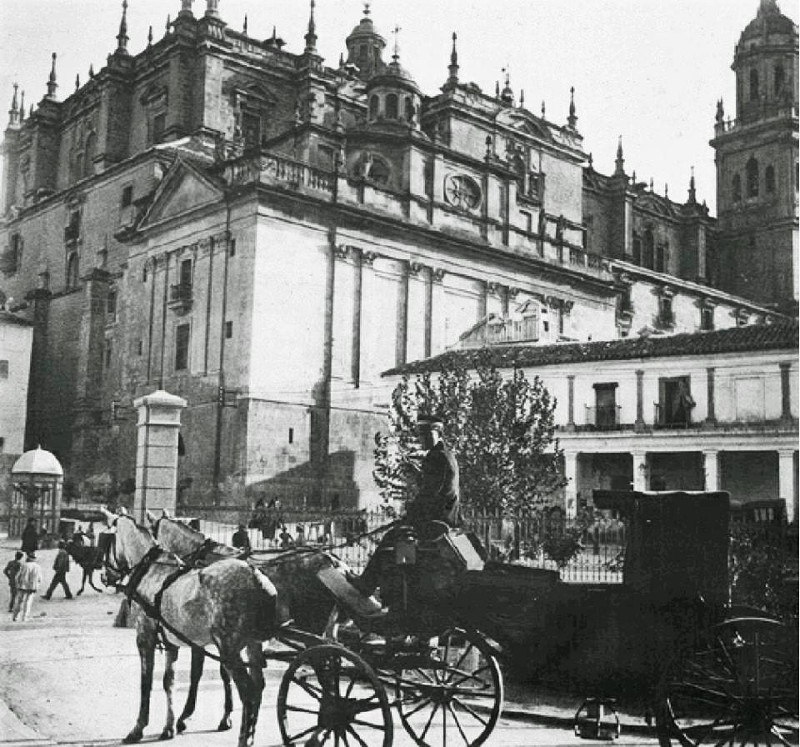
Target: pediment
[
  {"x": 523, "y": 122},
  {"x": 183, "y": 189},
  {"x": 654, "y": 204}
]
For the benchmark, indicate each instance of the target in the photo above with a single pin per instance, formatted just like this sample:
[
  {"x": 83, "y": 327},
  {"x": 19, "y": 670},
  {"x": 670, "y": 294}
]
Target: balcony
[
  {"x": 666, "y": 416},
  {"x": 603, "y": 417},
  {"x": 180, "y": 296}
]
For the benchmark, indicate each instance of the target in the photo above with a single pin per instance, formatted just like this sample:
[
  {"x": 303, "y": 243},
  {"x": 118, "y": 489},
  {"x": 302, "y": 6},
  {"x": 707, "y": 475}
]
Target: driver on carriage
[{"x": 437, "y": 497}]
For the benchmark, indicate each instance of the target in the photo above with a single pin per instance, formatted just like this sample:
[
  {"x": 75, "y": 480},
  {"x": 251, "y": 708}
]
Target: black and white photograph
[{"x": 399, "y": 374}]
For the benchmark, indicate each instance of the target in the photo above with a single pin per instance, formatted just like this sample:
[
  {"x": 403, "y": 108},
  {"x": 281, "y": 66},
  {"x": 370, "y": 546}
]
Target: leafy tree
[{"x": 501, "y": 430}]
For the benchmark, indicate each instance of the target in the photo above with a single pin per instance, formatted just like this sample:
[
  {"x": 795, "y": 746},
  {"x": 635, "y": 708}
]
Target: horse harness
[{"x": 153, "y": 609}]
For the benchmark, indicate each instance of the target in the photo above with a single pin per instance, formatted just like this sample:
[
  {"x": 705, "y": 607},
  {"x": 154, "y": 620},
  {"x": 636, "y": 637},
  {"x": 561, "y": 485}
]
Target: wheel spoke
[
  {"x": 358, "y": 721},
  {"x": 356, "y": 735},
  {"x": 458, "y": 723},
  {"x": 418, "y": 708},
  {"x": 312, "y": 690},
  {"x": 298, "y": 709},
  {"x": 303, "y": 733},
  {"x": 774, "y": 731},
  {"x": 472, "y": 712},
  {"x": 430, "y": 720}
]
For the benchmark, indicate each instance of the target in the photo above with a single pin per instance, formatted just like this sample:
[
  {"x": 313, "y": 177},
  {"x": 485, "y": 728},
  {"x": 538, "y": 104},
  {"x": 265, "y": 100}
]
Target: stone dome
[
  {"x": 37, "y": 462},
  {"x": 394, "y": 75},
  {"x": 768, "y": 21}
]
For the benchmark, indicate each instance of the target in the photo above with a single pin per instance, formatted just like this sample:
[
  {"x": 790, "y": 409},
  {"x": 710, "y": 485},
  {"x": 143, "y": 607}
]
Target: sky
[{"x": 650, "y": 71}]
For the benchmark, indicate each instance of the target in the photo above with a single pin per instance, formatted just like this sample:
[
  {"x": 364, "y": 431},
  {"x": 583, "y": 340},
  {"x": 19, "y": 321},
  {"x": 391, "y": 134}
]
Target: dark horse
[
  {"x": 90, "y": 559},
  {"x": 301, "y": 595}
]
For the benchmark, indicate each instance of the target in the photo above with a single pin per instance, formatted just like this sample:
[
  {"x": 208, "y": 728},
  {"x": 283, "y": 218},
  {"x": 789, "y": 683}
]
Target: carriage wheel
[
  {"x": 330, "y": 696},
  {"x": 739, "y": 688},
  {"x": 455, "y": 696}
]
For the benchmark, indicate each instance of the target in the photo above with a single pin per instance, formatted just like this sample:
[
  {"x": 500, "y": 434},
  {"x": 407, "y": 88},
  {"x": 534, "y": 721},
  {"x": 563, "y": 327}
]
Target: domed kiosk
[{"x": 37, "y": 478}]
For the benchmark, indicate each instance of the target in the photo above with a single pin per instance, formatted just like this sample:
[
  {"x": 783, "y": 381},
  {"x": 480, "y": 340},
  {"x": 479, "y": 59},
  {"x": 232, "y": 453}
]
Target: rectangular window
[
  {"x": 675, "y": 401},
  {"x": 108, "y": 353},
  {"x": 127, "y": 196},
  {"x": 706, "y": 318},
  {"x": 159, "y": 125},
  {"x": 2, "y": 445},
  {"x": 228, "y": 330},
  {"x": 73, "y": 230},
  {"x": 605, "y": 405},
  {"x": 291, "y": 435},
  {"x": 111, "y": 305},
  {"x": 232, "y": 250},
  {"x": 139, "y": 347},
  {"x": 186, "y": 273},
  {"x": 666, "y": 317},
  {"x": 182, "y": 347},
  {"x": 3, "y": 369},
  {"x": 251, "y": 130}
]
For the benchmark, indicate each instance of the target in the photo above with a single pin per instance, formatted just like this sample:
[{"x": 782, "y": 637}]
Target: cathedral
[{"x": 265, "y": 235}]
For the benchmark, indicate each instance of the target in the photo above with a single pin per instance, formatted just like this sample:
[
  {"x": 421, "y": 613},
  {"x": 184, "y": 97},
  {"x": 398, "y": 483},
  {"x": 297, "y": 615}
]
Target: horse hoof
[
  {"x": 168, "y": 733},
  {"x": 225, "y": 724},
  {"x": 180, "y": 727},
  {"x": 79, "y": 593},
  {"x": 133, "y": 737}
]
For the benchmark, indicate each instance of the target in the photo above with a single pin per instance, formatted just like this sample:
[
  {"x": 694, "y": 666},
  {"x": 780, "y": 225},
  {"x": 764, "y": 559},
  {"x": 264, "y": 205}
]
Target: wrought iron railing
[
  {"x": 603, "y": 416},
  {"x": 668, "y": 417}
]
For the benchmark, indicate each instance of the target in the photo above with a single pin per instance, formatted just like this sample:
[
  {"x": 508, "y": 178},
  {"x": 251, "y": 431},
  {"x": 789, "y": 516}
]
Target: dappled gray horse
[
  {"x": 301, "y": 595},
  {"x": 229, "y": 605}
]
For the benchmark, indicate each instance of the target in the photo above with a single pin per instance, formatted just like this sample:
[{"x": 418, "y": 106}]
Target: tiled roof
[{"x": 755, "y": 337}]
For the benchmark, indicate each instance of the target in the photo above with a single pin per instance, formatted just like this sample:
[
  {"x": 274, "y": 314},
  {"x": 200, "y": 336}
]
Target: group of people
[{"x": 25, "y": 575}]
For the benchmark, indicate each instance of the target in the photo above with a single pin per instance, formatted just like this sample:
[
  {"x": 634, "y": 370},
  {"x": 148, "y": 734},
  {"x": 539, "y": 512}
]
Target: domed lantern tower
[
  {"x": 757, "y": 165},
  {"x": 365, "y": 47},
  {"x": 393, "y": 96}
]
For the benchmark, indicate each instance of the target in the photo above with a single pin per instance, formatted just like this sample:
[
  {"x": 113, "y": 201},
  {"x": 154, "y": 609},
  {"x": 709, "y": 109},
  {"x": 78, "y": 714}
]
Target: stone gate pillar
[{"x": 157, "y": 452}]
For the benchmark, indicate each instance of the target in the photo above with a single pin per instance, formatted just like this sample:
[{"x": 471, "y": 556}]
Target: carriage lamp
[
  {"x": 405, "y": 551},
  {"x": 597, "y": 718}
]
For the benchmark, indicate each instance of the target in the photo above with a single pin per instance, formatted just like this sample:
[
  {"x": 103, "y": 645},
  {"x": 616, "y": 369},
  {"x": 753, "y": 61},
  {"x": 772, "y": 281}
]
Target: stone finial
[
  {"x": 167, "y": 25},
  {"x": 244, "y": 25},
  {"x": 149, "y": 37},
  {"x": 720, "y": 117},
  {"x": 507, "y": 95},
  {"x": 543, "y": 110},
  {"x": 651, "y": 183},
  {"x": 521, "y": 98},
  {"x": 22, "y": 107},
  {"x": 212, "y": 8},
  {"x": 77, "y": 82},
  {"x": 666, "y": 190},
  {"x": 91, "y": 71},
  {"x": 692, "y": 192},
  {"x": 452, "y": 68},
  {"x": 619, "y": 163},
  {"x": 122, "y": 36},
  {"x": 396, "y": 53},
  {"x": 51, "y": 81},
  {"x": 311, "y": 34},
  {"x": 13, "y": 112},
  {"x": 186, "y": 7},
  {"x": 572, "y": 119}
]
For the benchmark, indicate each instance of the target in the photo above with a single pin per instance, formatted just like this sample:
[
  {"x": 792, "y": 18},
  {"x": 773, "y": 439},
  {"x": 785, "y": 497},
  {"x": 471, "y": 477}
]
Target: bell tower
[{"x": 757, "y": 165}]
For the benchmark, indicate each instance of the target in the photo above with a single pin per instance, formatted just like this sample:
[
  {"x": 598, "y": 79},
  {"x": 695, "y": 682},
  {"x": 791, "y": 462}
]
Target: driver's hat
[{"x": 430, "y": 422}]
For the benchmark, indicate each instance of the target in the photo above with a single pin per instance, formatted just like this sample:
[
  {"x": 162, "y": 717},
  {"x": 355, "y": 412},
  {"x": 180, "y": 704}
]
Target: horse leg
[
  {"x": 168, "y": 732},
  {"x": 225, "y": 723},
  {"x": 255, "y": 658},
  {"x": 90, "y": 576},
  {"x": 244, "y": 685},
  {"x": 198, "y": 658},
  {"x": 83, "y": 584},
  {"x": 146, "y": 643}
]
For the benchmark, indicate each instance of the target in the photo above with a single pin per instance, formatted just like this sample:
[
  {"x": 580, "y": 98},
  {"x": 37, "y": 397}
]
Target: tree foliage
[{"x": 501, "y": 430}]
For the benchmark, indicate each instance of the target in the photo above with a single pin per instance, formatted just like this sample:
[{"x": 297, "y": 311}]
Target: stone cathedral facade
[{"x": 264, "y": 235}]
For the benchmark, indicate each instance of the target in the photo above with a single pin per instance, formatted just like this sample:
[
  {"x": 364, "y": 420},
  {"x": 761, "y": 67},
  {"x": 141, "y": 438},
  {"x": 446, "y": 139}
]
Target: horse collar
[{"x": 140, "y": 569}]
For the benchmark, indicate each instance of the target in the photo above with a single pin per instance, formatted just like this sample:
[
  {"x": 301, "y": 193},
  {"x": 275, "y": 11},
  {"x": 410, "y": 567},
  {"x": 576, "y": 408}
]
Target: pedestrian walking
[
  {"x": 30, "y": 537},
  {"x": 29, "y": 579},
  {"x": 61, "y": 567},
  {"x": 11, "y": 570}
]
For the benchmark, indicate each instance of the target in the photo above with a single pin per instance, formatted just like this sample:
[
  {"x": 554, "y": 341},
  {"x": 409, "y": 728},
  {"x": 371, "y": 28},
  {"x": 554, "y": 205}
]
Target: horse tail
[{"x": 267, "y": 609}]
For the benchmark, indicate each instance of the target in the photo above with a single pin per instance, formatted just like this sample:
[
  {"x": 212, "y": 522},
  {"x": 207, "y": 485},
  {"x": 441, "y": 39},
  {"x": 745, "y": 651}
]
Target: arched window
[
  {"x": 649, "y": 249},
  {"x": 769, "y": 179},
  {"x": 88, "y": 156},
  {"x": 410, "y": 112},
  {"x": 391, "y": 106},
  {"x": 736, "y": 188},
  {"x": 72, "y": 271},
  {"x": 780, "y": 78},
  {"x": 752, "y": 178},
  {"x": 374, "y": 103},
  {"x": 753, "y": 84}
]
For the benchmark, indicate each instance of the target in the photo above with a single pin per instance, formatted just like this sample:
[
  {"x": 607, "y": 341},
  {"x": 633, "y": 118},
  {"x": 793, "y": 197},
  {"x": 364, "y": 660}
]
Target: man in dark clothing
[
  {"x": 437, "y": 497},
  {"x": 30, "y": 537},
  {"x": 11, "y": 570},
  {"x": 241, "y": 539},
  {"x": 61, "y": 567}
]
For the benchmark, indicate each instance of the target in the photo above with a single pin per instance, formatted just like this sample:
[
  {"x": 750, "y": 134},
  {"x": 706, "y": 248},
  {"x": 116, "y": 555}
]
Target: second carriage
[{"x": 710, "y": 673}]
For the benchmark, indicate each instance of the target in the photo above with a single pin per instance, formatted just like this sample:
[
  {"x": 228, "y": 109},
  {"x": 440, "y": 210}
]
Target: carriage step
[{"x": 363, "y": 606}]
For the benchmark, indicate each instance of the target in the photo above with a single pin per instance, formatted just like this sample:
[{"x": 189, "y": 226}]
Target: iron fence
[{"x": 542, "y": 540}]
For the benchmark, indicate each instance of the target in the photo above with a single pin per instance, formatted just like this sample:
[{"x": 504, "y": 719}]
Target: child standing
[
  {"x": 29, "y": 579},
  {"x": 11, "y": 570}
]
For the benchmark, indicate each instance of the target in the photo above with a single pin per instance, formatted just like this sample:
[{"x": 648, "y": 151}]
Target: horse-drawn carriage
[{"x": 432, "y": 649}]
